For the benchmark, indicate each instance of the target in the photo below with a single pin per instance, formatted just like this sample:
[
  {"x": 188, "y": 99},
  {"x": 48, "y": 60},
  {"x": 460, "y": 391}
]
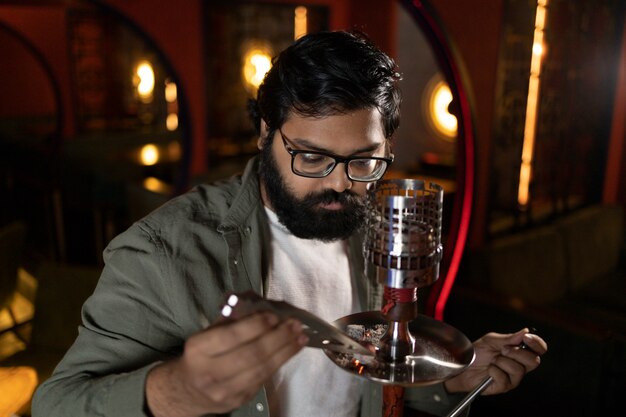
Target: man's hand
[
  {"x": 501, "y": 357},
  {"x": 223, "y": 367}
]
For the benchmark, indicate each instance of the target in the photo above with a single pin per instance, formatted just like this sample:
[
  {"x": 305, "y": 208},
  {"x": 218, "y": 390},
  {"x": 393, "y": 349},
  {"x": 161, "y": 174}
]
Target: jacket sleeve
[{"x": 128, "y": 327}]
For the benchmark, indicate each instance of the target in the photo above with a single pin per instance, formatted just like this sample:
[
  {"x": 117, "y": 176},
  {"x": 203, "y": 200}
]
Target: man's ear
[{"x": 264, "y": 129}]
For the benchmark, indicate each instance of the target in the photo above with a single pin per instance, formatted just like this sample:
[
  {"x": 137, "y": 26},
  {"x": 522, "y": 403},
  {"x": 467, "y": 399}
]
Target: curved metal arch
[
  {"x": 182, "y": 180},
  {"x": 451, "y": 65},
  {"x": 39, "y": 57}
]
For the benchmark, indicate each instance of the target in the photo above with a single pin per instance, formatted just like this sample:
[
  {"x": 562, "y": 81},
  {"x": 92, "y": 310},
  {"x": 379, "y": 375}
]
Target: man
[{"x": 152, "y": 342}]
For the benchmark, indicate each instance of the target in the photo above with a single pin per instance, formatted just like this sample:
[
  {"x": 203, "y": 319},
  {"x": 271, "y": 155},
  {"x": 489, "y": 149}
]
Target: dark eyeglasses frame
[{"x": 338, "y": 159}]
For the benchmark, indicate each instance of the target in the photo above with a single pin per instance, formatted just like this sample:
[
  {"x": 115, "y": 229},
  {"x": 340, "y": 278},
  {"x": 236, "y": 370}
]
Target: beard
[{"x": 304, "y": 217}]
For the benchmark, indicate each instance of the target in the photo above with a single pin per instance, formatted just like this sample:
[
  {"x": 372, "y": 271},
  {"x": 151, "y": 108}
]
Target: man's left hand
[{"x": 503, "y": 357}]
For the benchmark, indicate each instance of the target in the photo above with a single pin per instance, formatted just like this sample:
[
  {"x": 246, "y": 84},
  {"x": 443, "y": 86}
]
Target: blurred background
[{"x": 516, "y": 107}]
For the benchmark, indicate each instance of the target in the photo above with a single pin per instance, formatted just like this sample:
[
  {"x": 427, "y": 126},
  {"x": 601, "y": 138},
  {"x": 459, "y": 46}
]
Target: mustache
[{"x": 346, "y": 198}]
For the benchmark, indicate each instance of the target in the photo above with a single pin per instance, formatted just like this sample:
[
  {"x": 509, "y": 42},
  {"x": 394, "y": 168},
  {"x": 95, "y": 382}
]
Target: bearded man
[{"x": 151, "y": 342}]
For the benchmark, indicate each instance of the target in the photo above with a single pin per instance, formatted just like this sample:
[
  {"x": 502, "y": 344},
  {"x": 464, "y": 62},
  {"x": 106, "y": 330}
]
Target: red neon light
[{"x": 466, "y": 212}]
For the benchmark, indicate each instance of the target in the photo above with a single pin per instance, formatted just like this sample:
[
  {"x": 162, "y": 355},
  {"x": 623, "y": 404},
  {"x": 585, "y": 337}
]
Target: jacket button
[
  {"x": 235, "y": 261},
  {"x": 260, "y": 407}
]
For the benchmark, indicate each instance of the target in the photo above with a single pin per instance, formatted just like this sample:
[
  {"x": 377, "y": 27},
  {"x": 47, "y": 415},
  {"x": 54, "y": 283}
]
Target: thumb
[{"x": 517, "y": 337}]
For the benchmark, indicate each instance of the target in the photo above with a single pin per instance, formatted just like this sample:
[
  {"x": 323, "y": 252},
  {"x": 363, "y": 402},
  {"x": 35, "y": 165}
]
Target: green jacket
[{"x": 165, "y": 279}]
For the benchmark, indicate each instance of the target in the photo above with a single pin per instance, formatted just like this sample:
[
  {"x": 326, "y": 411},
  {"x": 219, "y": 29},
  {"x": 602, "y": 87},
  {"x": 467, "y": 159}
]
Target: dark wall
[
  {"x": 26, "y": 89},
  {"x": 45, "y": 28}
]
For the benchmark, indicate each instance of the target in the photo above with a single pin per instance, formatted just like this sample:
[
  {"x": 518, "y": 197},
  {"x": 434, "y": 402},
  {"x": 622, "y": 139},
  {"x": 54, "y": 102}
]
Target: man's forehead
[
  {"x": 320, "y": 146},
  {"x": 362, "y": 129}
]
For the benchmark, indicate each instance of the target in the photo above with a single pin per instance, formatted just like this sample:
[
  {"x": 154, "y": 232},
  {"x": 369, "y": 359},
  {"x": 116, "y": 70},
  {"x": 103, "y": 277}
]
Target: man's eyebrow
[{"x": 310, "y": 146}]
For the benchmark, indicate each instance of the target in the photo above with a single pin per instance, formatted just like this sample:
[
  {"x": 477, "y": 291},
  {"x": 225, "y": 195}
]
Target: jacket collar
[{"x": 245, "y": 200}]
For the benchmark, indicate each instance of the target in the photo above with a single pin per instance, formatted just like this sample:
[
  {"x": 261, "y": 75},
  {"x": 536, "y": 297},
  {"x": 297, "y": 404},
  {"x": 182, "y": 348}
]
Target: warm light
[
  {"x": 538, "y": 51},
  {"x": 524, "y": 180},
  {"x": 257, "y": 62},
  {"x": 171, "y": 122},
  {"x": 155, "y": 185},
  {"x": 149, "y": 154},
  {"x": 438, "y": 98},
  {"x": 171, "y": 92},
  {"x": 442, "y": 97},
  {"x": 144, "y": 81},
  {"x": 174, "y": 151},
  {"x": 17, "y": 384},
  {"x": 532, "y": 105},
  {"x": 299, "y": 22}
]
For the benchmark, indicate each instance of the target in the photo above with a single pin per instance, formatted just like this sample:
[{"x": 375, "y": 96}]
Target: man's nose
[{"x": 338, "y": 179}]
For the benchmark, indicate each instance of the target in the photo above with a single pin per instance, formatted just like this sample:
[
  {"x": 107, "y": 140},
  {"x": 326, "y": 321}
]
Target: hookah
[
  {"x": 402, "y": 249},
  {"x": 395, "y": 346}
]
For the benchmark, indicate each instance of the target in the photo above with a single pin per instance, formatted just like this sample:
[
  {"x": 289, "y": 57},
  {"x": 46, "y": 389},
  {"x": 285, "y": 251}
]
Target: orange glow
[
  {"x": 171, "y": 92},
  {"x": 171, "y": 122},
  {"x": 540, "y": 16},
  {"x": 174, "y": 151},
  {"x": 17, "y": 385},
  {"x": 440, "y": 102},
  {"x": 299, "y": 22},
  {"x": 436, "y": 101},
  {"x": 532, "y": 104},
  {"x": 149, "y": 154},
  {"x": 171, "y": 97},
  {"x": 156, "y": 185},
  {"x": 256, "y": 63},
  {"x": 144, "y": 81}
]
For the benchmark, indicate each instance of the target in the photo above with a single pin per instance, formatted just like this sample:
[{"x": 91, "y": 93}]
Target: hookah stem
[
  {"x": 393, "y": 401},
  {"x": 397, "y": 300}
]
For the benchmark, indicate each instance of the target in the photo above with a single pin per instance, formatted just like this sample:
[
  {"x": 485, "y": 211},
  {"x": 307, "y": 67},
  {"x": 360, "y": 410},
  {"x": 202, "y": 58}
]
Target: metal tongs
[{"x": 321, "y": 334}]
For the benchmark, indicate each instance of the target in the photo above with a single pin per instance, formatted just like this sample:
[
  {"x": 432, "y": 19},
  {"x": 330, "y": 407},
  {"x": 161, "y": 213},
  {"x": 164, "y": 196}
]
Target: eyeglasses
[{"x": 313, "y": 164}]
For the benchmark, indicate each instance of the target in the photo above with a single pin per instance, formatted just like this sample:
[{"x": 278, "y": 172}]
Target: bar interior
[{"x": 516, "y": 108}]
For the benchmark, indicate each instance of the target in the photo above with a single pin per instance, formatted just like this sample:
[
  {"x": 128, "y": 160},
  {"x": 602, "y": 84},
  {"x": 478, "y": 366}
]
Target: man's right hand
[{"x": 223, "y": 366}]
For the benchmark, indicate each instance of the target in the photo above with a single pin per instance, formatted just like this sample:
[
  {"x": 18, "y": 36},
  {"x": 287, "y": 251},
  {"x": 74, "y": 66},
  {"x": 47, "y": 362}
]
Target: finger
[
  {"x": 498, "y": 341},
  {"x": 242, "y": 387},
  {"x": 236, "y": 379},
  {"x": 501, "y": 381},
  {"x": 526, "y": 357},
  {"x": 515, "y": 369},
  {"x": 264, "y": 351},
  {"x": 506, "y": 374},
  {"x": 265, "y": 368},
  {"x": 535, "y": 343},
  {"x": 228, "y": 335},
  {"x": 518, "y": 337}
]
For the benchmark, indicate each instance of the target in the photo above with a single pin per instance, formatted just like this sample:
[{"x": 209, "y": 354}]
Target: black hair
[{"x": 328, "y": 73}]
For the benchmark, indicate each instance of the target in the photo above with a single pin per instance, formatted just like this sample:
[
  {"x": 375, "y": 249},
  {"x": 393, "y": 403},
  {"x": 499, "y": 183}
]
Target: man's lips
[{"x": 335, "y": 205}]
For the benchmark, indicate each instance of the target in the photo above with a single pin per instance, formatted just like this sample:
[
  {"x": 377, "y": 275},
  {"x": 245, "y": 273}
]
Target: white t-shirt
[{"x": 314, "y": 276}]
